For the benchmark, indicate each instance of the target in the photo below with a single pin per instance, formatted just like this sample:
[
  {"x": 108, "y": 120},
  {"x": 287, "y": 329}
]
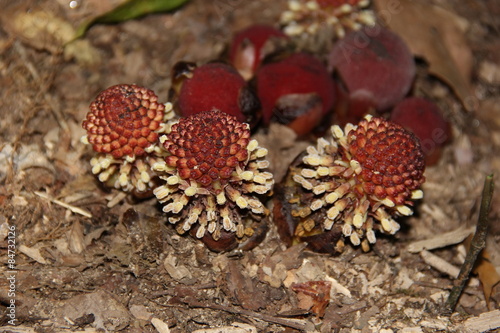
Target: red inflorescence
[
  {"x": 207, "y": 146},
  {"x": 391, "y": 159},
  {"x": 123, "y": 119},
  {"x": 365, "y": 173}
]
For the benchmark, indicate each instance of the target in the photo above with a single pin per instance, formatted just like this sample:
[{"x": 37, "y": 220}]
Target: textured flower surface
[
  {"x": 123, "y": 127},
  {"x": 213, "y": 175},
  {"x": 309, "y": 16},
  {"x": 361, "y": 178}
]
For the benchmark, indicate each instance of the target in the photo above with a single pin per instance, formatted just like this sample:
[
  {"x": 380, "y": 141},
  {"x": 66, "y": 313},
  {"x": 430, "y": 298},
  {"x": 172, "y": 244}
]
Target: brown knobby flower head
[
  {"x": 213, "y": 175},
  {"x": 123, "y": 127},
  {"x": 362, "y": 177},
  {"x": 307, "y": 17}
]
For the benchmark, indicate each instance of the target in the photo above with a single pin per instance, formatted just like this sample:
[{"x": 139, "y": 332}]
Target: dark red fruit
[
  {"x": 375, "y": 67},
  {"x": 217, "y": 86},
  {"x": 425, "y": 120},
  {"x": 251, "y": 45},
  {"x": 296, "y": 91}
]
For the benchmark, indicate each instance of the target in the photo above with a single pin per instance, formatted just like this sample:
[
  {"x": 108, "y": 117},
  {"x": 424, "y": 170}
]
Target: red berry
[
  {"x": 296, "y": 91},
  {"x": 251, "y": 45}
]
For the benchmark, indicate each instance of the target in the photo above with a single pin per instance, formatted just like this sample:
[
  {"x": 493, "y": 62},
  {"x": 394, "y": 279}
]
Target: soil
[{"x": 90, "y": 258}]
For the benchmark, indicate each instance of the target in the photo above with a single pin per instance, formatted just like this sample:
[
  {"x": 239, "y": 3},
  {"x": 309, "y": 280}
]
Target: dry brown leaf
[
  {"x": 487, "y": 274},
  {"x": 485, "y": 271},
  {"x": 436, "y": 35},
  {"x": 109, "y": 313},
  {"x": 243, "y": 288},
  {"x": 313, "y": 296}
]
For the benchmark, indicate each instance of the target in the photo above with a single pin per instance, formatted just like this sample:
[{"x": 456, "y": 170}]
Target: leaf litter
[{"x": 124, "y": 257}]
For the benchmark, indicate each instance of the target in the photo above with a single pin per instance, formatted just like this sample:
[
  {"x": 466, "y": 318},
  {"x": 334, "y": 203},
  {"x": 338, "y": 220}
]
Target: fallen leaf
[
  {"x": 488, "y": 275},
  {"x": 33, "y": 253},
  {"x": 129, "y": 10},
  {"x": 244, "y": 289},
  {"x": 313, "y": 295},
  {"x": 436, "y": 35},
  {"x": 40, "y": 29},
  {"x": 109, "y": 313},
  {"x": 485, "y": 271}
]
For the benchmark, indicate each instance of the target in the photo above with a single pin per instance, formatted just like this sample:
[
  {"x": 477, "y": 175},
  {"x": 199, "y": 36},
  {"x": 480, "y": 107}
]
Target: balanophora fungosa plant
[{"x": 350, "y": 185}]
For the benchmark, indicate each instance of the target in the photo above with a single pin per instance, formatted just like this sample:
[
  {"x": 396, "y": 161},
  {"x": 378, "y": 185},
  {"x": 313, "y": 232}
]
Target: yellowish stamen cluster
[
  {"x": 341, "y": 190},
  {"x": 225, "y": 203},
  {"x": 131, "y": 173},
  {"x": 307, "y": 17}
]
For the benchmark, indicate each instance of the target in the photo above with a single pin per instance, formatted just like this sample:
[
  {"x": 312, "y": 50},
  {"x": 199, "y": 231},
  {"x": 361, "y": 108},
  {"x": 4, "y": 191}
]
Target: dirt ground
[{"x": 88, "y": 258}]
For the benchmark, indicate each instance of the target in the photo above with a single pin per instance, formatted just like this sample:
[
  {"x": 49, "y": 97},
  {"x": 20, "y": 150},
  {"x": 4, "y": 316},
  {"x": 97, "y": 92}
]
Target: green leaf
[{"x": 129, "y": 10}]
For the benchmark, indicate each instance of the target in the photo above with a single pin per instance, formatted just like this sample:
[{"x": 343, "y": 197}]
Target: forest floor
[{"x": 85, "y": 262}]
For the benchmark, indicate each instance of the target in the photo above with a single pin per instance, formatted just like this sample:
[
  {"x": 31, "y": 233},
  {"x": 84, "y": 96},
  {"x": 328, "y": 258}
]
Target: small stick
[
  {"x": 477, "y": 245},
  {"x": 298, "y": 324},
  {"x": 72, "y": 208}
]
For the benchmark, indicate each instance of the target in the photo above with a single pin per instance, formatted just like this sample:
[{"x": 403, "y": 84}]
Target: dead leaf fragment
[
  {"x": 242, "y": 288},
  {"x": 41, "y": 29},
  {"x": 485, "y": 271},
  {"x": 436, "y": 35},
  {"x": 175, "y": 269},
  {"x": 313, "y": 296},
  {"x": 109, "y": 313},
  {"x": 33, "y": 253}
]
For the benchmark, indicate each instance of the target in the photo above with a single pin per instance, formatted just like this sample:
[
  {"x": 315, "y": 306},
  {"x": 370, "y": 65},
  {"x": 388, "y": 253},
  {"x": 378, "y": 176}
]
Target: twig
[
  {"x": 477, "y": 245},
  {"x": 72, "y": 208},
  {"x": 298, "y": 324}
]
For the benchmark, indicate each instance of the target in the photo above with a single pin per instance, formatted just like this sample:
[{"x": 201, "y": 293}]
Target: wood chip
[
  {"x": 33, "y": 254},
  {"x": 443, "y": 266},
  {"x": 236, "y": 328},
  {"x": 485, "y": 322},
  {"x": 439, "y": 264},
  {"x": 440, "y": 241},
  {"x": 160, "y": 326},
  {"x": 116, "y": 199}
]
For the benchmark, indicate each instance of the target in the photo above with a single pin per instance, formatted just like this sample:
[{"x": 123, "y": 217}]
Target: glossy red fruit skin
[
  {"x": 374, "y": 63},
  {"x": 212, "y": 86},
  {"x": 299, "y": 76},
  {"x": 425, "y": 119},
  {"x": 250, "y": 46}
]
